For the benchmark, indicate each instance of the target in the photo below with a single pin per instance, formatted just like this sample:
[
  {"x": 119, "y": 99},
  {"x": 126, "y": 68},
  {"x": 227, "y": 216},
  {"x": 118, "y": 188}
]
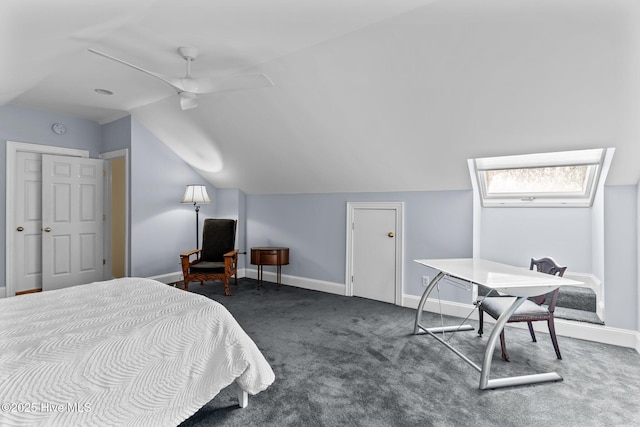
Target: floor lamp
[{"x": 196, "y": 194}]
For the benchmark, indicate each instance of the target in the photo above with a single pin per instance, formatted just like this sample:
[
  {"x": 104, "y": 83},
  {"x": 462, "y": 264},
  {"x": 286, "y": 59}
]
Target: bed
[{"x": 121, "y": 352}]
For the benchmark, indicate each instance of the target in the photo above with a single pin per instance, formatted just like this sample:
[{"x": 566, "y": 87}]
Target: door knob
[
  {"x": 20, "y": 228},
  {"x": 390, "y": 234},
  {"x": 47, "y": 229}
]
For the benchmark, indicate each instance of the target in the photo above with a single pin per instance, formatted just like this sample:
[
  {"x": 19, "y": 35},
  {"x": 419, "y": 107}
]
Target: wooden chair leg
[
  {"x": 186, "y": 284},
  {"x": 554, "y": 340},
  {"x": 480, "y": 322},
  {"x": 533, "y": 334},
  {"x": 227, "y": 289},
  {"x": 503, "y": 345}
]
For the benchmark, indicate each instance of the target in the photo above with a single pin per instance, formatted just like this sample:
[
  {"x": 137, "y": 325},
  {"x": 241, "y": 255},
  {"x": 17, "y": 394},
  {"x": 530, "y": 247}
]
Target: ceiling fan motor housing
[{"x": 188, "y": 53}]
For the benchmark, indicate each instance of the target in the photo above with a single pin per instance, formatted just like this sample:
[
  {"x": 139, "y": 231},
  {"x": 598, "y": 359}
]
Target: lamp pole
[{"x": 197, "y": 226}]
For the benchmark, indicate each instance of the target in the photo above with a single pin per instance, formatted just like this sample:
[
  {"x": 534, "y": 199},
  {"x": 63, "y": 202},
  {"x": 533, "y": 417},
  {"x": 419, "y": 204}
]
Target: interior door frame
[
  {"x": 12, "y": 148},
  {"x": 107, "y": 209},
  {"x": 399, "y": 208}
]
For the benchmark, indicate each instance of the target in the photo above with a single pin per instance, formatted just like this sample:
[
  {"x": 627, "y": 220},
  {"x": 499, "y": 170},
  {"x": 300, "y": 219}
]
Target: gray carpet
[
  {"x": 574, "y": 303},
  {"x": 577, "y": 298},
  {"x": 577, "y": 315},
  {"x": 342, "y": 361}
]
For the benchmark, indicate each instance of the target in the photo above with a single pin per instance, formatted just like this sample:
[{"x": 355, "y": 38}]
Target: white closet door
[
  {"x": 27, "y": 272},
  {"x": 72, "y": 221},
  {"x": 374, "y": 254}
]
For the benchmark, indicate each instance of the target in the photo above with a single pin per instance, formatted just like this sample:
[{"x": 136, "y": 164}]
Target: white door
[
  {"x": 375, "y": 252},
  {"x": 27, "y": 272},
  {"x": 72, "y": 221}
]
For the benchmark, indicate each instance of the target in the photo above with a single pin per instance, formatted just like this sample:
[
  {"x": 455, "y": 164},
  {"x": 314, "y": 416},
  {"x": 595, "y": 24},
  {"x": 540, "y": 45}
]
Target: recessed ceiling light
[{"x": 103, "y": 91}]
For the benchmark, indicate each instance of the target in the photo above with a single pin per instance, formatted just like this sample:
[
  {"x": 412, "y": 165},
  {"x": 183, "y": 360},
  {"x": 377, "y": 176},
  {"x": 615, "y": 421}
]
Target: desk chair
[
  {"x": 530, "y": 311},
  {"x": 217, "y": 260}
]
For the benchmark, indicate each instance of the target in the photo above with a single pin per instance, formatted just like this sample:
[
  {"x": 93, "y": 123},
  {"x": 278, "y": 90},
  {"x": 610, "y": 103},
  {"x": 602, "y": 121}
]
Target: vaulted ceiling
[{"x": 368, "y": 95}]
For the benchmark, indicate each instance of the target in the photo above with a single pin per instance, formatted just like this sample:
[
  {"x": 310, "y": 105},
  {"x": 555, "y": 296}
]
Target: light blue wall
[
  {"x": 515, "y": 235},
  {"x": 116, "y": 135},
  {"x": 161, "y": 226},
  {"x": 24, "y": 124},
  {"x": 313, "y": 226},
  {"x": 28, "y": 125},
  {"x": 620, "y": 247},
  {"x": 439, "y": 225}
]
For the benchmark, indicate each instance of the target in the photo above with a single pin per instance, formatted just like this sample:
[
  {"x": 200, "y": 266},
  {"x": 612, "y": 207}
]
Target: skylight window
[{"x": 567, "y": 178}]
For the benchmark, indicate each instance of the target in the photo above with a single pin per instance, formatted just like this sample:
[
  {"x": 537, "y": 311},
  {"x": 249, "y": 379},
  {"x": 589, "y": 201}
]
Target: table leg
[
  {"x": 485, "y": 382},
  {"x": 417, "y": 325},
  {"x": 279, "y": 276},
  {"x": 485, "y": 370}
]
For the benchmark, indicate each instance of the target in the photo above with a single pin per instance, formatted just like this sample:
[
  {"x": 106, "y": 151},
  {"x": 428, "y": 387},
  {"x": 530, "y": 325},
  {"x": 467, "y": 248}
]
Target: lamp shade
[{"x": 196, "y": 194}]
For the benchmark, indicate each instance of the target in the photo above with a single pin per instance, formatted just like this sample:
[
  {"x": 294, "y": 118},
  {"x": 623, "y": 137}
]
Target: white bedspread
[{"x": 123, "y": 352}]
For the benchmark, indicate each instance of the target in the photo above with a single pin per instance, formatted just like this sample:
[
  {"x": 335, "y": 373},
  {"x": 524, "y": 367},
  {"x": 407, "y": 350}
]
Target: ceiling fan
[{"x": 189, "y": 87}]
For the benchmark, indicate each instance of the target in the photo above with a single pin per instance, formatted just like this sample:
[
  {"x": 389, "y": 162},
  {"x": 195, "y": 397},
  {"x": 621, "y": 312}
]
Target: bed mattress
[{"x": 122, "y": 352}]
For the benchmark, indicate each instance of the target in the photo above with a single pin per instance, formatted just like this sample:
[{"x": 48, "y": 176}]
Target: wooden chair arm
[
  {"x": 230, "y": 261},
  {"x": 188, "y": 254},
  {"x": 185, "y": 260},
  {"x": 233, "y": 253}
]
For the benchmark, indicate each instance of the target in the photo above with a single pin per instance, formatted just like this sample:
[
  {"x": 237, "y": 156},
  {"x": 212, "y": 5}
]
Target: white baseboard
[
  {"x": 168, "y": 278},
  {"x": 299, "y": 282},
  {"x": 585, "y": 331}
]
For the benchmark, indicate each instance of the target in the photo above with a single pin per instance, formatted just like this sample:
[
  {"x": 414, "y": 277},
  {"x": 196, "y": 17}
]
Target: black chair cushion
[
  {"x": 495, "y": 306},
  {"x": 204, "y": 267},
  {"x": 218, "y": 238}
]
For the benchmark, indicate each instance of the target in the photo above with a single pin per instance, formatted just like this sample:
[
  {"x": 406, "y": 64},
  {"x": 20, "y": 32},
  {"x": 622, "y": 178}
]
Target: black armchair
[{"x": 218, "y": 258}]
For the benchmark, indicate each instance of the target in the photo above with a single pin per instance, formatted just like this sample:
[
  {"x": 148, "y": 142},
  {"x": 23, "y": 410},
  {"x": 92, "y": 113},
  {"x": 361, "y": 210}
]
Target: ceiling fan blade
[
  {"x": 237, "y": 82},
  {"x": 188, "y": 100},
  {"x": 173, "y": 82}
]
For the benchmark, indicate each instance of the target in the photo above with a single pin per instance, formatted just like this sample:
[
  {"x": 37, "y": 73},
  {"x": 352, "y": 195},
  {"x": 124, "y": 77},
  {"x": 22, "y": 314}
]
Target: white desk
[{"x": 516, "y": 281}]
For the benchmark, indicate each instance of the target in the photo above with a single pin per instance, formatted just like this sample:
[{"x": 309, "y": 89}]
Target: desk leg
[
  {"x": 259, "y": 276},
  {"x": 423, "y": 300},
  {"x": 417, "y": 326},
  {"x": 485, "y": 370},
  {"x": 485, "y": 382}
]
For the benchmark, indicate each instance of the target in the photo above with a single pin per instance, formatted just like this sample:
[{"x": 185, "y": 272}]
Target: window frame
[{"x": 593, "y": 159}]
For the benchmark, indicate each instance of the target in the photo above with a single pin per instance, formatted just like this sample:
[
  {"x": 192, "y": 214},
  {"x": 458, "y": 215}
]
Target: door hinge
[
  {"x": 104, "y": 217},
  {"x": 104, "y": 172},
  {"x": 104, "y": 261}
]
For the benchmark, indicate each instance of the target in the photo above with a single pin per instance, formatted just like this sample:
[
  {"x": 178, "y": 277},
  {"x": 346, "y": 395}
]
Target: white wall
[{"x": 400, "y": 105}]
